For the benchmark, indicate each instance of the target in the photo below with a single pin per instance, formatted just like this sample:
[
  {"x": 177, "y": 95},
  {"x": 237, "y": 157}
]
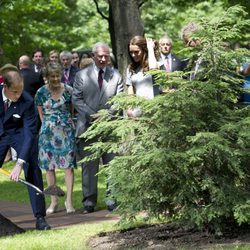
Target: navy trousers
[{"x": 32, "y": 171}]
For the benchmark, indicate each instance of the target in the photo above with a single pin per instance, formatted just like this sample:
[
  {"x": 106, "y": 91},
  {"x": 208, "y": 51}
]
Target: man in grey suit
[
  {"x": 93, "y": 87},
  {"x": 168, "y": 61}
]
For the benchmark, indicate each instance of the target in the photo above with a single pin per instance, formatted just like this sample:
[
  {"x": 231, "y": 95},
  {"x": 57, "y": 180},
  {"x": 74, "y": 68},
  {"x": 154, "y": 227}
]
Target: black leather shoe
[
  {"x": 41, "y": 224},
  {"x": 111, "y": 207},
  {"x": 88, "y": 209}
]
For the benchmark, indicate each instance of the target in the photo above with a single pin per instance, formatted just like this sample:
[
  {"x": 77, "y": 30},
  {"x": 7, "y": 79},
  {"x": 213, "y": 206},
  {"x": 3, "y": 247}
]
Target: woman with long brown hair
[{"x": 142, "y": 53}]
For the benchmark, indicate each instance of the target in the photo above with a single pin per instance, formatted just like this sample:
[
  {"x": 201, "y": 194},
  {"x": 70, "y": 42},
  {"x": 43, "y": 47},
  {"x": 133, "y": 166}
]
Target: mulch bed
[{"x": 167, "y": 236}]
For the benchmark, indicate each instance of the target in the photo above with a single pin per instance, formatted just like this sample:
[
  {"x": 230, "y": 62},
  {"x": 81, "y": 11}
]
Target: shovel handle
[
  {"x": 5, "y": 172},
  {"x": 39, "y": 191}
]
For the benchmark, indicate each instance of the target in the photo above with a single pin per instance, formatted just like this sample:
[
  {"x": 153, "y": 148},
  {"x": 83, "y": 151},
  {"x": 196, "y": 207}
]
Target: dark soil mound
[
  {"x": 8, "y": 228},
  {"x": 167, "y": 236},
  {"x": 54, "y": 190}
]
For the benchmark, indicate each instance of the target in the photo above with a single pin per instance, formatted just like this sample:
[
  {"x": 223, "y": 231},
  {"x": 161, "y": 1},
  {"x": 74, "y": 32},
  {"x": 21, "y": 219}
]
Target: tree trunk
[
  {"x": 8, "y": 228},
  {"x": 124, "y": 23}
]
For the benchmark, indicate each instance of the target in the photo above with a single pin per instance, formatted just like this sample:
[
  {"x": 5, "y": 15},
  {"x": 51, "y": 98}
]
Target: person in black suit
[
  {"x": 17, "y": 130},
  {"x": 69, "y": 71},
  {"x": 38, "y": 60},
  {"x": 168, "y": 61},
  {"x": 75, "y": 59},
  {"x": 32, "y": 80}
]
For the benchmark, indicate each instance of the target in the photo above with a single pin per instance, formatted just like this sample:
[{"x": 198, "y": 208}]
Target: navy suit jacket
[
  {"x": 32, "y": 67},
  {"x": 72, "y": 72},
  {"x": 19, "y": 124},
  {"x": 32, "y": 81},
  {"x": 177, "y": 64}
]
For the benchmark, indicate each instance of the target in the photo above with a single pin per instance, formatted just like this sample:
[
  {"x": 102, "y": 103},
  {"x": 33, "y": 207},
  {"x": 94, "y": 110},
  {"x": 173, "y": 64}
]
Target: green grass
[
  {"x": 73, "y": 238},
  {"x": 12, "y": 191}
]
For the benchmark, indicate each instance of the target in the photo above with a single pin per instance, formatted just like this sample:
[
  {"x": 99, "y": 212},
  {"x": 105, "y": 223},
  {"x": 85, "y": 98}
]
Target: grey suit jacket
[{"x": 87, "y": 97}]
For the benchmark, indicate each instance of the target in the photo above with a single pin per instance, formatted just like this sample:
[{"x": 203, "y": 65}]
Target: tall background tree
[{"x": 123, "y": 25}]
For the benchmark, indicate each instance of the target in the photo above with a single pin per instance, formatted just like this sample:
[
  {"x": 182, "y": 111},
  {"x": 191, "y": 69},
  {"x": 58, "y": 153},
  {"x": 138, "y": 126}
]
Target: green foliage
[
  {"x": 68, "y": 24},
  {"x": 93, "y": 27},
  {"x": 168, "y": 17},
  {"x": 186, "y": 158},
  {"x": 26, "y": 25},
  {"x": 56, "y": 24}
]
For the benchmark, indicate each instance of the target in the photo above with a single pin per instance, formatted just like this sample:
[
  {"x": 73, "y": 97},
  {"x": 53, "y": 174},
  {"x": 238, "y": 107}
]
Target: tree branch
[
  {"x": 140, "y": 3},
  {"x": 99, "y": 11}
]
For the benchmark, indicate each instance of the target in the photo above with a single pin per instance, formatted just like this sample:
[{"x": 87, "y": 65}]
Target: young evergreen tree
[{"x": 187, "y": 156}]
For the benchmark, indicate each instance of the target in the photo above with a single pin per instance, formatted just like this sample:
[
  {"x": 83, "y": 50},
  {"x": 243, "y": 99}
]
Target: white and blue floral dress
[{"x": 57, "y": 135}]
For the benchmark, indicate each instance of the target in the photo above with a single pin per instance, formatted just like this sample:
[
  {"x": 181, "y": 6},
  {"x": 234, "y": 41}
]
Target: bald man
[
  {"x": 32, "y": 80},
  {"x": 18, "y": 130}
]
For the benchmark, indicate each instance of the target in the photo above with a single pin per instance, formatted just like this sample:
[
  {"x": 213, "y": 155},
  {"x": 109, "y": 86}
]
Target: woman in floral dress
[{"x": 56, "y": 137}]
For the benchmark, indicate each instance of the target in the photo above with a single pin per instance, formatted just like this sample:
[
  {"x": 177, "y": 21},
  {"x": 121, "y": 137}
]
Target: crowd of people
[{"x": 46, "y": 105}]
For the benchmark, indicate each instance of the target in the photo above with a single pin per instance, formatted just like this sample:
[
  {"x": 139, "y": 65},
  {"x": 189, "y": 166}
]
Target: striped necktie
[{"x": 66, "y": 75}]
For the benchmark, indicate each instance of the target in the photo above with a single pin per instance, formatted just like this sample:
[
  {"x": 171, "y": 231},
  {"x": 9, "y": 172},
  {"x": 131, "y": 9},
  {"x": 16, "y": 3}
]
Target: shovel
[{"x": 51, "y": 190}]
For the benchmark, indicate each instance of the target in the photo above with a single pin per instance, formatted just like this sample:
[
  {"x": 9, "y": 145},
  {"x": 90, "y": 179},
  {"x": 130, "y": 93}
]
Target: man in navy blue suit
[
  {"x": 69, "y": 71},
  {"x": 168, "y": 61},
  {"x": 18, "y": 130}
]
